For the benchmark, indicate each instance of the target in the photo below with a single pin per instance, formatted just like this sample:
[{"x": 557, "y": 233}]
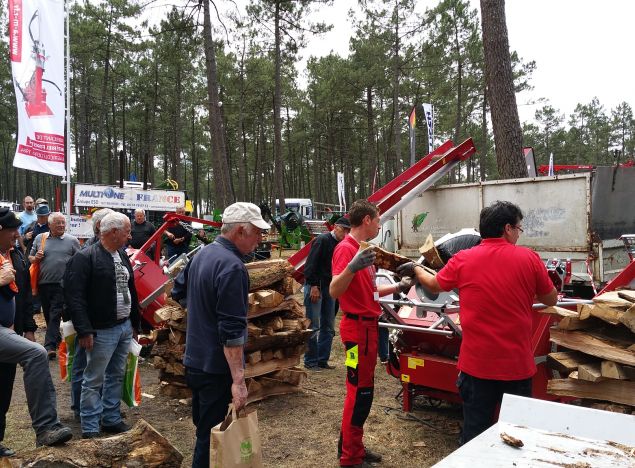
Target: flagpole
[{"x": 68, "y": 111}]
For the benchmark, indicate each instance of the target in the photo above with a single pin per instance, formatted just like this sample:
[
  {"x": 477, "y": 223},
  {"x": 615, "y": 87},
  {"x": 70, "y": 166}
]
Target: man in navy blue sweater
[{"x": 216, "y": 284}]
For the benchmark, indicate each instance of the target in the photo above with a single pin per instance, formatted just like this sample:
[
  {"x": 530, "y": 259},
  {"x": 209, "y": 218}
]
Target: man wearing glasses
[{"x": 498, "y": 283}]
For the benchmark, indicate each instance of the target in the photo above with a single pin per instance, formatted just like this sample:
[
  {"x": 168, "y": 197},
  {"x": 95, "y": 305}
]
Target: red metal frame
[{"x": 543, "y": 169}]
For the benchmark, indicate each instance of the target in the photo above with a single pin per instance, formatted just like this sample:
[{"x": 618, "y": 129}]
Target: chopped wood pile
[
  {"x": 597, "y": 353},
  {"x": 277, "y": 327}
]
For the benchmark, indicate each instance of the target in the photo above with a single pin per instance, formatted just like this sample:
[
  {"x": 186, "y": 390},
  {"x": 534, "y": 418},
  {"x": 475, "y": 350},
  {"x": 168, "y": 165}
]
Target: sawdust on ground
[{"x": 297, "y": 430}]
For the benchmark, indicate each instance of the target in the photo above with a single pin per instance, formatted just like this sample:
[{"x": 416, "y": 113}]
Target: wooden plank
[
  {"x": 560, "y": 311},
  {"x": 590, "y": 372},
  {"x": 580, "y": 341},
  {"x": 608, "y": 314},
  {"x": 617, "y": 391},
  {"x": 613, "y": 370},
  {"x": 568, "y": 361}
]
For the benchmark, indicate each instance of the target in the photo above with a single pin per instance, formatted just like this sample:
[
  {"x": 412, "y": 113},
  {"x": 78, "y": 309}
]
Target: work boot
[
  {"x": 325, "y": 365},
  {"x": 116, "y": 428},
  {"x": 90, "y": 435},
  {"x": 372, "y": 457},
  {"x": 57, "y": 434},
  {"x": 6, "y": 451}
]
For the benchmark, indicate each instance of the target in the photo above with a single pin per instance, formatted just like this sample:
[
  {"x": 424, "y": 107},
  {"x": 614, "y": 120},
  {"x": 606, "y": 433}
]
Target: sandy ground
[{"x": 296, "y": 430}]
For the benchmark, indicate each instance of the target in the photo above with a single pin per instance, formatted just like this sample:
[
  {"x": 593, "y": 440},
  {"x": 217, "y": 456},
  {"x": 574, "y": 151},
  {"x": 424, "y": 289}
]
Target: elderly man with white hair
[
  {"x": 52, "y": 250},
  {"x": 96, "y": 219},
  {"x": 102, "y": 301},
  {"x": 216, "y": 285}
]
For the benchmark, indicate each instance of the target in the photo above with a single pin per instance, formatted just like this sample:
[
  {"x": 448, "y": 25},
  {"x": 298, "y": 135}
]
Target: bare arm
[
  {"x": 550, "y": 299},
  {"x": 427, "y": 279},
  {"x": 234, "y": 356}
]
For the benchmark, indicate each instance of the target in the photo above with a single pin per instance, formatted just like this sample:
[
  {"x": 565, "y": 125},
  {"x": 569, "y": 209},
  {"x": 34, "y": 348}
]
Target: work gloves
[
  {"x": 363, "y": 259},
  {"x": 407, "y": 269},
  {"x": 406, "y": 283}
]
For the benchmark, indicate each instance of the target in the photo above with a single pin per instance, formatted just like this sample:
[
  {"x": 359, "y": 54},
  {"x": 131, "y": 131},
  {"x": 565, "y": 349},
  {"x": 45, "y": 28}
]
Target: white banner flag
[
  {"x": 36, "y": 42},
  {"x": 428, "y": 111},
  {"x": 550, "y": 165},
  {"x": 341, "y": 193}
]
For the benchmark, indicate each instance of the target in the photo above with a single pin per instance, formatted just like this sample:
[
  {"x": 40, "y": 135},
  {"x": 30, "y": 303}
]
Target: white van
[{"x": 302, "y": 206}]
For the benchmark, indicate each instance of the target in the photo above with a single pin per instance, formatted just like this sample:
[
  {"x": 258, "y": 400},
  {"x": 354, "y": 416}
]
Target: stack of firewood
[
  {"x": 598, "y": 351},
  {"x": 277, "y": 328}
]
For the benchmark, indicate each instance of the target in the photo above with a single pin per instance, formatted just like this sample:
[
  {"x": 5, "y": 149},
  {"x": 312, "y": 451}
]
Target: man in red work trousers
[{"x": 354, "y": 285}]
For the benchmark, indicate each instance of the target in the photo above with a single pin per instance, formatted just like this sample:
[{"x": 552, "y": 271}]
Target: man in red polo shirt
[
  {"x": 498, "y": 283},
  {"x": 354, "y": 285}
]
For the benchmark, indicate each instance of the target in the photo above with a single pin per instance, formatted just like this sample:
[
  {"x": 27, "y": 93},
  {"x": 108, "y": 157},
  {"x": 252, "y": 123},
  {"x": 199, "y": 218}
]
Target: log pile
[
  {"x": 277, "y": 334},
  {"x": 596, "y": 351}
]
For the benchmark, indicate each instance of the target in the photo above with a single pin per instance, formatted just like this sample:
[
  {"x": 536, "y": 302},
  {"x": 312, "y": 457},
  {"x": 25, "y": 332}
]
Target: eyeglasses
[{"x": 519, "y": 228}]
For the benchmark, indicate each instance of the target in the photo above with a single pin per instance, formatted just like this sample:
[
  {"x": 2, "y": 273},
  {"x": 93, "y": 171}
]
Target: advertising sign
[
  {"x": 80, "y": 226},
  {"x": 128, "y": 198}
]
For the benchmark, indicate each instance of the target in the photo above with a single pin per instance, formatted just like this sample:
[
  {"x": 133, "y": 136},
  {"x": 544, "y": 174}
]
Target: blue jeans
[
  {"x": 322, "y": 316},
  {"x": 211, "y": 394},
  {"x": 105, "y": 366}
]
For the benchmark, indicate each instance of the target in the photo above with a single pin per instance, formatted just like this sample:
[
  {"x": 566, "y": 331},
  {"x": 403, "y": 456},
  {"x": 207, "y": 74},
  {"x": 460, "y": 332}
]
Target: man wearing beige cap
[{"x": 216, "y": 284}]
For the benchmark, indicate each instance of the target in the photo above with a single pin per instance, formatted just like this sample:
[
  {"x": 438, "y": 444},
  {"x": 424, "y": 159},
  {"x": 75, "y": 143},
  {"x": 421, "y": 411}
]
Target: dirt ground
[{"x": 296, "y": 430}]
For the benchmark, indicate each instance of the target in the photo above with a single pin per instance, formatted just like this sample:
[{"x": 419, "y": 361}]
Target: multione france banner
[
  {"x": 128, "y": 198},
  {"x": 36, "y": 44}
]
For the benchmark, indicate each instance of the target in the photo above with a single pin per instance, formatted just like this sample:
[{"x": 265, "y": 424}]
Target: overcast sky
[{"x": 582, "y": 48}]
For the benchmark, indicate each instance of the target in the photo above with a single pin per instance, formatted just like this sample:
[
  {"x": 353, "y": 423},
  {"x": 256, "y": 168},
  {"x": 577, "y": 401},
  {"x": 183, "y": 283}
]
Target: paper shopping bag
[{"x": 236, "y": 441}]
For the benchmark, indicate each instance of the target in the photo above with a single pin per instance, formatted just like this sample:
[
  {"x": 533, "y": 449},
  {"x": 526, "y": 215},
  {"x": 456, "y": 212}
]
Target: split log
[
  {"x": 158, "y": 362},
  {"x": 253, "y": 309},
  {"x": 580, "y": 341},
  {"x": 263, "y": 274},
  {"x": 255, "y": 357},
  {"x": 267, "y": 355},
  {"x": 560, "y": 311},
  {"x": 178, "y": 313},
  {"x": 431, "y": 254},
  {"x": 384, "y": 259},
  {"x": 628, "y": 319},
  {"x": 269, "y": 298},
  {"x": 290, "y": 306},
  {"x": 305, "y": 323},
  {"x": 251, "y": 298},
  {"x": 627, "y": 294},
  {"x": 253, "y": 330},
  {"x": 265, "y": 367},
  {"x": 293, "y": 376},
  {"x": 141, "y": 446},
  {"x": 613, "y": 407},
  {"x": 171, "y": 379},
  {"x": 613, "y": 370},
  {"x": 278, "y": 354},
  {"x": 174, "y": 391},
  {"x": 617, "y": 391},
  {"x": 175, "y": 368},
  {"x": 590, "y": 372},
  {"x": 612, "y": 299},
  {"x": 182, "y": 326},
  {"x": 278, "y": 340},
  {"x": 275, "y": 323},
  {"x": 163, "y": 314},
  {"x": 261, "y": 391},
  {"x": 568, "y": 361},
  {"x": 292, "y": 325},
  {"x": 608, "y": 314},
  {"x": 177, "y": 337},
  {"x": 158, "y": 335},
  {"x": 287, "y": 286}
]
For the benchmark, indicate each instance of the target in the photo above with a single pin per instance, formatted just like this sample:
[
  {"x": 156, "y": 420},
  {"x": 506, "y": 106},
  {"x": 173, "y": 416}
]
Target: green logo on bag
[{"x": 245, "y": 450}]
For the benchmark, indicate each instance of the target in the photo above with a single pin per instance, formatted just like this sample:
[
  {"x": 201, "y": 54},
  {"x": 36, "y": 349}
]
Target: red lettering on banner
[
  {"x": 50, "y": 147},
  {"x": 49, "y": 138},
  {"x": 38, "y": 154},
  {"x": 15, "y": 30}
]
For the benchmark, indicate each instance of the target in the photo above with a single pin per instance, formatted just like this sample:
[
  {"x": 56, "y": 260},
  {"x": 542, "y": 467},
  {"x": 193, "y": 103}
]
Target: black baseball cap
[
  {"x": 344, "y": 222},
  {"x": 8, "y": 219}
]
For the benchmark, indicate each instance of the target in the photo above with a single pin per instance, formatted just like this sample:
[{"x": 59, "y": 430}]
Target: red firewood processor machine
[{"x": 425, "y": 329}]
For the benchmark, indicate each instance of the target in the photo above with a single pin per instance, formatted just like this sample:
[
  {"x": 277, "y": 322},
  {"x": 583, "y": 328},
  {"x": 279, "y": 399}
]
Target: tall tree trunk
[
  {"x": 103, "y": 112},
  {"x": 508, "y": 136},
  {"x": 277, "y": 126},
  {"x": 222, "y": 187},
  {"x": 395, "y": 163},
  {"x": 371, "y": 154},
  {"x": 242, "y": 165},
  {"x": 195, "y": 170}
]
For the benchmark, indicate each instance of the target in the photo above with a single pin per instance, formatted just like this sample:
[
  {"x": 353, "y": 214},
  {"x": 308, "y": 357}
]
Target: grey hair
[
  {"x": 98, "y": 216},
  {"x": 112, "y": 222},
  {"x": 55, "y": 214},
  {"x": 140, "y": 210},
  {"x": 226, "y": 228}
]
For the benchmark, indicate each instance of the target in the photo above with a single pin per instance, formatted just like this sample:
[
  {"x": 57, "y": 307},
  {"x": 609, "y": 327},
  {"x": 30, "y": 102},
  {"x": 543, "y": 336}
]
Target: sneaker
[
  {"x": 90, "y": 435},
  {"x": 325, "y": 365},
  {"x": 372, "y": 457},
  {"x": 51, "y": 355},
  {"x": 6, "y": 451},
  {"x": 116, "y": 428},
  {"x": 57, "y": 434}
]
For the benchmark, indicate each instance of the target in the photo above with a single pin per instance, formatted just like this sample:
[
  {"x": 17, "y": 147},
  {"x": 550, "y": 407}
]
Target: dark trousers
[
  {"x": 211, "y": 394},
  {"x": 7, "y": 376},
  {"x": 52, "y": 297},
  {"x": 481, "y": 398}
]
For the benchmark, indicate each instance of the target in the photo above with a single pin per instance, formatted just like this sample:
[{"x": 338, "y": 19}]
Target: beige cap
[{"x": 242, "y": 212}]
